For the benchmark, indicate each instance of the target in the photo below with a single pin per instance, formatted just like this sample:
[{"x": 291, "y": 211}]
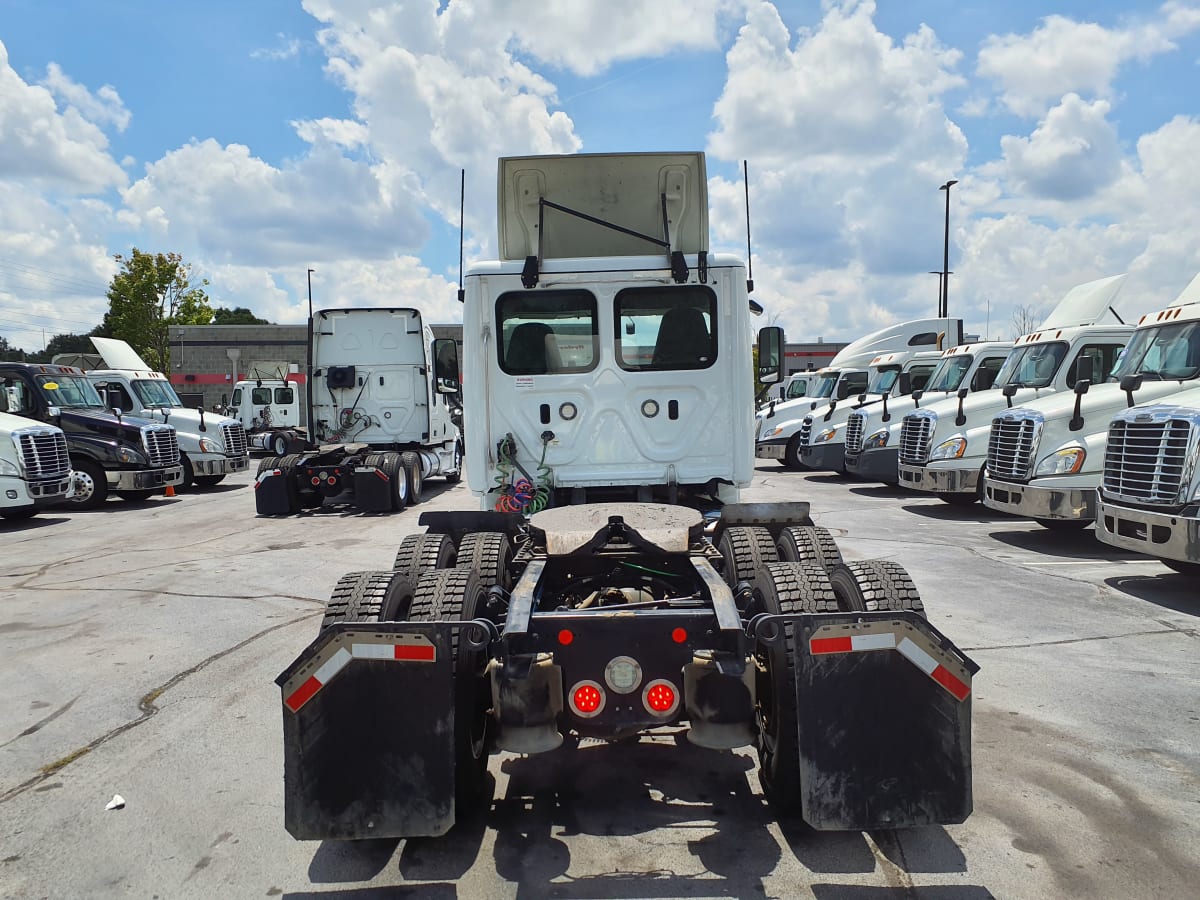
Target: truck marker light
[
  {"x": 660, "y": 698},
  {"x": 623, "y": 674},
  {"x": 587, "y": 699},
  {"x": 679, "y": 635},
  {"x": 565, "y": 637},
  {"x": 820, "y": 646}
]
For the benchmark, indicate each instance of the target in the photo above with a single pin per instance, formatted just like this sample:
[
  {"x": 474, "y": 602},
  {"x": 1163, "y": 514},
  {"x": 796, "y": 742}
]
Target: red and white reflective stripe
[
  {"x": 852, "y": 643},
  {"x": 406, "y": 652},
  {"x": 265, "y": 474},
  {"x": 820, "y": 646},
  {"x": 933, "y": 669}
]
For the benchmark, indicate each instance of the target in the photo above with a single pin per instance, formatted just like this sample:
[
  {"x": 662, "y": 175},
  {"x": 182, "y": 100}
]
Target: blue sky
[{"x": 261, "y": 139}]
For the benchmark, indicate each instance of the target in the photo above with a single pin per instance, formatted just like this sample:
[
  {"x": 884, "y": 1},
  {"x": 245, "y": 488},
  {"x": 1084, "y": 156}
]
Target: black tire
[
  {"x": 456, "y": 595},
  {"x": 280, "y": 443},
  {"x": 91, "y": 485},
  {"x": 189, "y": 474},
  {"x": 267, "y": 462},
  {"x": 791, "y": 454},
  {"x": 1183, "y": 568},
  {"x": 489, "y": 553},
  {"x": 1064, "y": 526},
  {"x": 369, "y": 597},
  {"x": 208, "y": 480},
  {"x": 745, "y": 549},
  {"x": 456, "y": 476},
  {"x": 810, "y": 544},
  {"x": 135, "y": 496},
  {"x": 287, "y": 465},
  {"x": 784, "y": 588},
  {"x": 17, "y": 515},
  {"x": 425, "y": 552},
  {"x": 389, "y": 464},
  {"x": 415, "y": 475},
  {"x": 875, "y": 585}
]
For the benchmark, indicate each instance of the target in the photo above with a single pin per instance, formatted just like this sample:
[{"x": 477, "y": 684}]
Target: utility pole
[{"x": 945, "y": 307}]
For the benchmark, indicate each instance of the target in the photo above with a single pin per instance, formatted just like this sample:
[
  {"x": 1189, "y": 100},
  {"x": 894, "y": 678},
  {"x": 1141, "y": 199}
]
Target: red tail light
[
  {"x": 565, "y": 636},
  {"x": 660, "y": 698},
  {"x": 587, "y": 699},
  {"x": 316, "y": 481},
  {"x": 679, "y": 635}
]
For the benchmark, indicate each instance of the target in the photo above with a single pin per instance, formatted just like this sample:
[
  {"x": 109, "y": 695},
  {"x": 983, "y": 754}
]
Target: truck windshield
[
  {"x": 1032, "y": 366},
  {"x": 156, "y": 393},
  {"x": 883, "y": 380},
  {"x": 950, "y": 373},
  {"x": 69, "y": 391},
  {"x": 825, "y": 385},
  {"x": 1167, "y": 352}
]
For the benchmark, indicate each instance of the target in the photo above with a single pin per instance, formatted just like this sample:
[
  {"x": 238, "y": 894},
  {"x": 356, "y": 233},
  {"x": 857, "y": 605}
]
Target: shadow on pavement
[
  {"x": 1065, "y": 544},
  {"x": 948, "y": 512},
  {"x": 41, "y": 520},
  {"x": 925, "y": 892},
  {"x": 1170, "y": 590}
]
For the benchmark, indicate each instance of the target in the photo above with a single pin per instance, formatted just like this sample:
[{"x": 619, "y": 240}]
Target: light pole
[
  {"x": 941, "y": 285},
  {"x": 945, "y": 308},
  {"x": 308, "y": 370}
]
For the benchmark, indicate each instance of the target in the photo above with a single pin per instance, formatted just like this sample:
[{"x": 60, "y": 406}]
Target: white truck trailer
[
  {"x": 379, "y": 417},
  {"x": 210, "y": 446},
  {"x": 35, "y": 467},
  {"x": 872, "y": 434},
  {"x": 1046, "y": 458},
  {"x": 943, "y": 446},
  {"x": 612, "y": 583}
]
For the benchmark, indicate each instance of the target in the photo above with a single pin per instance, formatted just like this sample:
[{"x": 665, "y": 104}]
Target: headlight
[
  {"x": 951, "y": 449},
  {"x": 771, "y": 432},
  {"x": 876, "y": 440},
  {"x": 130, "y": 457},
  {"x": 826, "y": 435},
  {"x": 1062, "y": 462},
  {"x": 8, "y": 468},
  {"x": 207, "y": 446}
]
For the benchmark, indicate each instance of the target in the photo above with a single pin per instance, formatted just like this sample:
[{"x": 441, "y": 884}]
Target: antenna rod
[
  {"x": 462, "y": 206},
  {"x": 308, "y": 375},
  {"x": 749, "y": 257}
]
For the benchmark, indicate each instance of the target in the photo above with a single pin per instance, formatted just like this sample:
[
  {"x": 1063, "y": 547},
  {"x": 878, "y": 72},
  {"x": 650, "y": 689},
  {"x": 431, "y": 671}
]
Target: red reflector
[
  {"x": 679, "y": 635},
  {"x": 382, "y": 475},
  {"x": 586, "y": 698},
  {"x": 830, "y": 645},
  {"x": 302, "y": 694},
  {"x": 418, "y": 652},
  {"x": 661, "y": 697},
  {"x": 565, "y": 637},
  {"x": 943, "y": 677}
]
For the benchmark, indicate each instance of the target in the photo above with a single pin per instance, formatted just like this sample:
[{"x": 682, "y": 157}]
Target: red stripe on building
[
  {"x": 830, "y": 645},
  {"x": 943, "y": 677},
  {"x": 415, "y": 652},
  {"x": 209, "y": 378},
  {"x": 302, "y": 694}
]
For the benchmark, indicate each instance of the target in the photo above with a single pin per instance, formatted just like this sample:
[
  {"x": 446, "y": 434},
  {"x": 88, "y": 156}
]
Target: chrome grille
[
  {"x": 43, "y": 452},
  {"x": 916, "y": 433},
  {"x": 806, "y": 431},
  {"x": 1012, "y": 444},
  {"x": 236, "y": 443},
  {"x": 1146, "y": 459},
  {"x": 161, "y": 445},
  {"x": 856, "y": 426}
]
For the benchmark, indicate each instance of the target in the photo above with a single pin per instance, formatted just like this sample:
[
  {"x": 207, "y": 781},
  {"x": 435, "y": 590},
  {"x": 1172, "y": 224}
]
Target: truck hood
[
  {"x": 899, "y": 407},
  {"x": 1101, "y": 402},
  {"x": 10, "y": 423},
  {"x": 187, "y": 420},
  {"x": 104, "y": 423}
]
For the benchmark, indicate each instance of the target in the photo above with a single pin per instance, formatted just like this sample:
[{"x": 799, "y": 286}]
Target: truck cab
[
  {"x": 269, "y": 411},
  {"x": 943, "y": 446},
  {"x": 35, "y": 468},
  {"x": 211, "y": 446},
  {"x": 1046, "y": 458},
  {"x": 109, "y": 452},
  {"x": 871, "y": 437}
]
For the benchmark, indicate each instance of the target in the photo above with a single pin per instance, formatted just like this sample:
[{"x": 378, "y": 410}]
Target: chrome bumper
[
  {"x": 939, "y": 481},
  {"x": 144, "y": 479},
  {"x": 824, "y": 457},
  {"x": 770, "y": 449},
  {"x": 221, "y": 465},
  {"x": 1039, "y": 502},
  {"x": 875, "y": 465},
  {"x": 37, "y": 493},
  {"x": 1164, "y": 535}
]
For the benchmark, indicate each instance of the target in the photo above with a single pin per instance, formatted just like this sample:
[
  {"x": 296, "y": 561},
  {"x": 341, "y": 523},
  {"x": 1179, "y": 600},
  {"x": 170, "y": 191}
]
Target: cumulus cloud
[
  {"x": 65, "y": 148},
  {"x": 1063, "y": 56},
  {"x": 287, "y": 48}
]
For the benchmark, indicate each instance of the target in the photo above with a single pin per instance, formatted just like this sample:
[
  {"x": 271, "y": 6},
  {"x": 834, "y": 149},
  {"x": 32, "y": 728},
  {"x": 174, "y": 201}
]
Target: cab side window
[
  {"x": 1104, "y": 359},
  {"x": 985, "y": 375},
  {"x": 260, "y": 396},
  {"x": 284, "y": 396},
  {"x": 14, "y": 396}
]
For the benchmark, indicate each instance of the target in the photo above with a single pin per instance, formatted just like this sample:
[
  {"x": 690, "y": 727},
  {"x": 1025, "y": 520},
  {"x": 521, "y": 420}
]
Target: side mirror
[
  {"x": 904, "y": 379},
  {"x": 770, "y": 355},
  {"x": 1130, "y": 384},
  {"x": 54, "y": 412},
  {"x": 445, "y": 366},
  {"x": 1082, "y": 386},
  {"x": 1085, "y": 370},
  {"x": 1009, "y": 389},
  {"x": 962, "y": 393}
]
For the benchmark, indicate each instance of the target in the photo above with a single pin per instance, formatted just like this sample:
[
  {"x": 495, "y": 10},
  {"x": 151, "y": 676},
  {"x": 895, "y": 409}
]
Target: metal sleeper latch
[
  {"x": 679, "y": 267},
  {"x": 529, "y": 274}
]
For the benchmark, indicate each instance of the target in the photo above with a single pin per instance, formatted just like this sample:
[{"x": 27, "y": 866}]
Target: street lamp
[{"x": 945, "y": 307}]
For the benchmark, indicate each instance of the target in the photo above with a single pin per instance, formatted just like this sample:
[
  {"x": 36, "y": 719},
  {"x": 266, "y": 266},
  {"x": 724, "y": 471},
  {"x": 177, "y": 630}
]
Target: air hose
[{"x": 521, "y": 495}]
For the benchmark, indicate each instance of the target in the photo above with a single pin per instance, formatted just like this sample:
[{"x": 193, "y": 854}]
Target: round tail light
[
  {"x": 587, "y": 699},
  {"x": 660, "y": 698}
]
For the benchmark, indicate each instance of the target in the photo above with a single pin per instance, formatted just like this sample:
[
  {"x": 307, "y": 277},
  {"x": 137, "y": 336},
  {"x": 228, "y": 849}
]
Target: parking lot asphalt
[{"x": 139, "y": 645}]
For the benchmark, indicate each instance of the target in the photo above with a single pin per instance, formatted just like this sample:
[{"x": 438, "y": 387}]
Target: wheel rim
[
  {"x": 85, "y": 487},
  {"x": 280, "y": 446}
]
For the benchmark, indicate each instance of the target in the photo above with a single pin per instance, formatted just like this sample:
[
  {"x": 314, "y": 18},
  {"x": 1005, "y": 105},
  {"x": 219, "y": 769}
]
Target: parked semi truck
[
  {"x": 127, "y": 456},
  {"x": 1149, "y": 496},
  {"x": 1046, "y": 458},
  {"x": 943, "y": 445},
  {"x": 35, "y": 467},
  {"x": 872, "y": 434},
  {"x": 211, "y": 446},
  {"x": 379, "y": 416},
  {"x": 269, "y": 410},
  {"x": 612, "y": 582}
]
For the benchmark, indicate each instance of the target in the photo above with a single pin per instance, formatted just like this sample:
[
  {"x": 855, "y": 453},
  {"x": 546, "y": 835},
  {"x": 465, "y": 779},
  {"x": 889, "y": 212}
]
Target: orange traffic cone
[{"x": 170, "y": 491}]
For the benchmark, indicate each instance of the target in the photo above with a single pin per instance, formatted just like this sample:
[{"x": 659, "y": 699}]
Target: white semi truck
[
  {"x": 35, "y": 467},
  {"x": 872, "y": 434},
  {"x": 1149, "y": 497},
  {"x": 210, "y": 446},
  {"x": 1046, "y": 458},
  {"x": 269, "y": 410},
  {"x": 379, "y": 415},
  {"x": 943, "y": 445},
  {"x": 612, "y": 583}
]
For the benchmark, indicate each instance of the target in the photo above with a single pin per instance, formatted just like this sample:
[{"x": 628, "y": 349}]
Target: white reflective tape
[
  {"x": 873, "y": 642},
  {"x": 332, "y": 666},
  {"x": 373, "y": 651},
  {"x": 917, "y": 656}
]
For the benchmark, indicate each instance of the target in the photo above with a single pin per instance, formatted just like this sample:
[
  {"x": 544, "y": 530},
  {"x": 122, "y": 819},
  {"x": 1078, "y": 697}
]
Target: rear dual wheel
[
  {"x": 369, "y": 597},
  {"x": 745, "y": 548}
]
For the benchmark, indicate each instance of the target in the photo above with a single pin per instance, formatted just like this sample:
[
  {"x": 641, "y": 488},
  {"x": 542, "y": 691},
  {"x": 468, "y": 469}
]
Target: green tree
[
  {"x": 149, "y": 295},
  {"x": 9, "y": 353},
  {"x": 239, "y": 315}
]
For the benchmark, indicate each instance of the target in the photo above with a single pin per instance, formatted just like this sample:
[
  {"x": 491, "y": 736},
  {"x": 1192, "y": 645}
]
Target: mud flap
[
  {"x": 271, "y": 493},
  {"x": 368, "y": 733},
  {"x": 372, "y": 489},
  {"x": 884, "y": 722}
]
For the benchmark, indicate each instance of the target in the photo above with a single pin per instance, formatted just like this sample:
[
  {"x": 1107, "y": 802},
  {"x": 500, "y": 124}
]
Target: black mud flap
[
  {"x": 884, "y": 721},
  {"x": 372, "y": 489},
  {"x": 271, "y": 493},
  {"x": 368, "y": 733}
]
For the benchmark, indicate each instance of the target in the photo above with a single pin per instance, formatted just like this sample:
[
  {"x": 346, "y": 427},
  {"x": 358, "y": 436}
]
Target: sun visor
[
  {"x": 623, "y": 189},
  {"x": 1084, "y": 304}
]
